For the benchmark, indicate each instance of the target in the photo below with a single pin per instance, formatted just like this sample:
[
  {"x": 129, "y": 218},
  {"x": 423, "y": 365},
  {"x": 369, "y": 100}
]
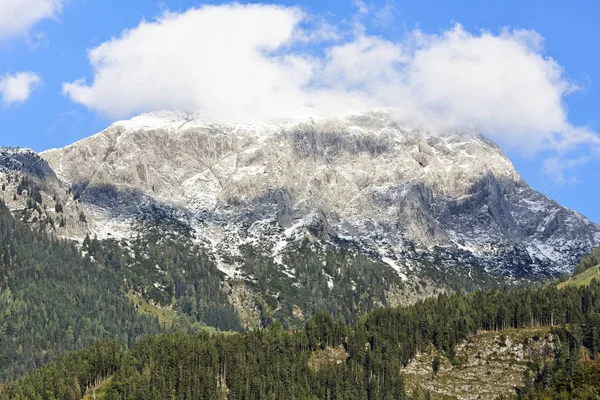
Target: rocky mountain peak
[
  {"x": 363, "y": 179},
  {"x": 165, "y": 150}
]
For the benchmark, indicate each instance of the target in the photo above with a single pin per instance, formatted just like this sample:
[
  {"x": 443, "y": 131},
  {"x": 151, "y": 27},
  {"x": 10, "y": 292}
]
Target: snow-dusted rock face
[
  {"x": 31, "y": 189},
  {"x": 362, "y": 180},
  {"x": 25, "y": 161}
]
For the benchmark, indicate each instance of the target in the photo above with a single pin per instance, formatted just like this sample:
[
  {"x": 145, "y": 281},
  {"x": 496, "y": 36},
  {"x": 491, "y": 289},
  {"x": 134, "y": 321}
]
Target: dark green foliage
[
  {"x": 69, "y": 377},
  {"x": 564, "y": 277},
  {"x": 53, "y": 301},
  {"x": 569, "y": 375},
  {"x": 436, "y": 364},
  {"x": 321, "y": 331},
  {"x": 274, "y": 363},
  {"x": 170, "y": 271},
  {"x": 358, "y": 285},
  {"x": 340, "y": 280}
]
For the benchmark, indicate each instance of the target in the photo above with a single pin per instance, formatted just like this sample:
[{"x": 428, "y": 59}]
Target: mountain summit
[{"x": 360, "y": 180}]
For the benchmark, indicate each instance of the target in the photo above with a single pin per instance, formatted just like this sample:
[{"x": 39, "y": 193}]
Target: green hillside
[
  {"x": 583, "y": 278},
  {"x": 473, "y": 340},
  {"x": 53, "y": 300},
  {"x": 164, "y": 315}
]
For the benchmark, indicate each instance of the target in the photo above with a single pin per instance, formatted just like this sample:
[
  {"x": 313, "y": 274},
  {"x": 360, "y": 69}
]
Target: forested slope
[
  {"x": 53, "y": 300},
  {"x": 172, "y": 272},
  {"x": 274, "y": 363}
]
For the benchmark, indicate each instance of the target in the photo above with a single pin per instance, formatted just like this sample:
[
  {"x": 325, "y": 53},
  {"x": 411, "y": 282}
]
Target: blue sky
[{"x": 52, "y": 46}]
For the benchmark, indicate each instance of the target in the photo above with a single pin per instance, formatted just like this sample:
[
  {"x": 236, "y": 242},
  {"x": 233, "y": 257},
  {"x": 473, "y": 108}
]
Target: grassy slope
[
  {"x": 100, "y": 391},
  {"x": 167, "y": 317},
  {"x": 582, "y": 279},
  {"x": 164, "y": 316}
]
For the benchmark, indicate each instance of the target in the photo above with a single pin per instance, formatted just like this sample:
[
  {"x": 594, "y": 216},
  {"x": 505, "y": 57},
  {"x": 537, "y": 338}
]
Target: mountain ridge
[
  {"x": 283, "y": 207},
  {"x": 225, "y": 161}
]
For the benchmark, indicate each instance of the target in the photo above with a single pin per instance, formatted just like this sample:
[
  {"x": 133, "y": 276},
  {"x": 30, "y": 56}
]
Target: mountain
[
  {"x": 169, "y": 218},
  {"x": 344, "y": 213},
  {"x": 362, "y": 178}
]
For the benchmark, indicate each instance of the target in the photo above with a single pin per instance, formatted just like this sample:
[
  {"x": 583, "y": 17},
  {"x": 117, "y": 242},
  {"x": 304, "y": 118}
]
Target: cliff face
[
  {"x": 361, "y": 180},
  {"x": 32, "y": 191}
]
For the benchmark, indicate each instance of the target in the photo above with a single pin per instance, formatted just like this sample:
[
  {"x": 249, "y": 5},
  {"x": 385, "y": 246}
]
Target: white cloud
[
  {"x": 362, "y": 7},
  {"x": 17, "y": 88},
  {"x": 499, "y": 84},
  {"x": 251, "y": 61},
  {"x": 214, "y": 59},
  {"x": 385, "y": 16},
  {"x": 18, "y": 16},
  {"x": 560, "y": 169}
]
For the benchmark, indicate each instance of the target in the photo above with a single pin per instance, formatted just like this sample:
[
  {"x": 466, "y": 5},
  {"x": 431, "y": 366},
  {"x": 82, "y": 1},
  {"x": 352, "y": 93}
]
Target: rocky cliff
[{"x": 361, "y": 180}]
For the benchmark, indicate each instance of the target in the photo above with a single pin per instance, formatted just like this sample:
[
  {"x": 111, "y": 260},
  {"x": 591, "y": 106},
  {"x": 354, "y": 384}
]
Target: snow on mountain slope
[
  {"x": 363, "y": 180},
  {"x": 30, "y": 188}
]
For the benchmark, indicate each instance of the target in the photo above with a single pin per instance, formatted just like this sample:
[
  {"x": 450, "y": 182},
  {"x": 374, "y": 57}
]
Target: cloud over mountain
[{"x": 255, "y": 61}]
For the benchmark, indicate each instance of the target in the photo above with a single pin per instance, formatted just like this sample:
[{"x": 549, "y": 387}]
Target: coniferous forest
[
  {"x": 274, "y": 363},
  {"x": 53, "y": 300}
]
